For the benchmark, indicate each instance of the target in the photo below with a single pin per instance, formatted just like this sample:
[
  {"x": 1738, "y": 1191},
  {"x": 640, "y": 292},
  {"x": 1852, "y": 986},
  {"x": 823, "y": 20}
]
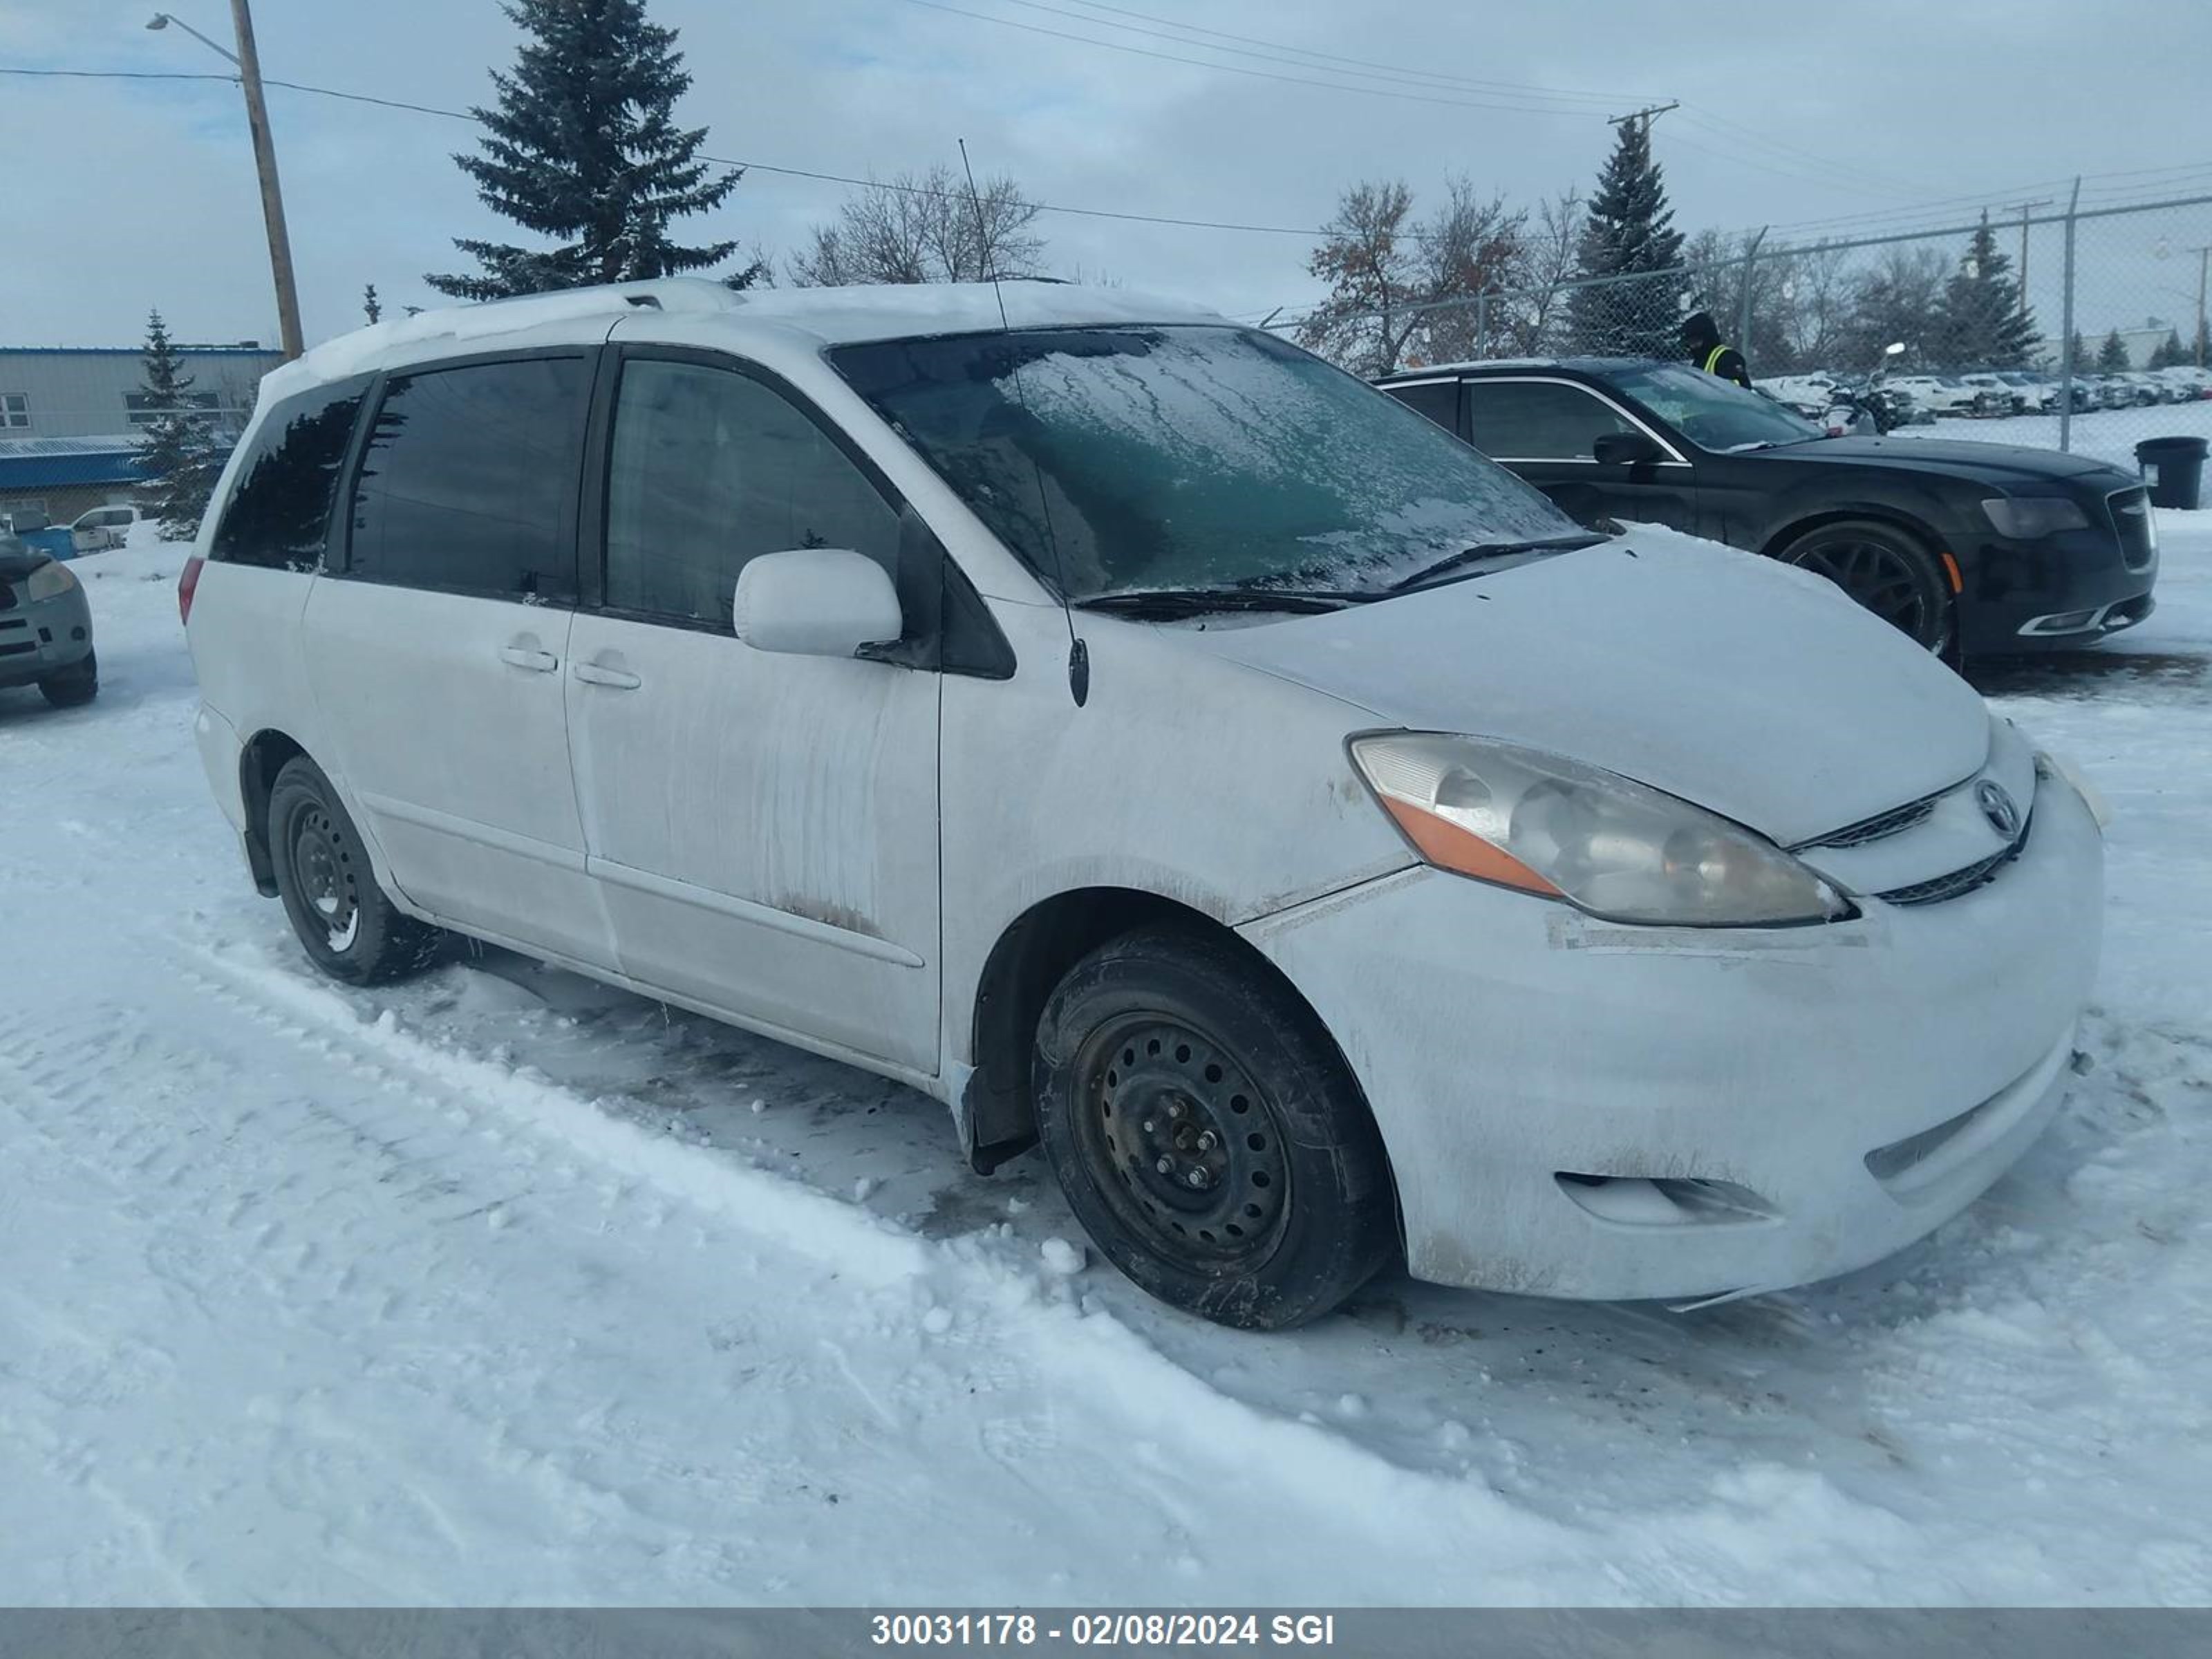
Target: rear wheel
[
  {"x": 1884, "y": 570},
  {"x": 350, "y": 930},
  {"x": 74, "y": 686},
  {"x": 1207, "y": 1133}
]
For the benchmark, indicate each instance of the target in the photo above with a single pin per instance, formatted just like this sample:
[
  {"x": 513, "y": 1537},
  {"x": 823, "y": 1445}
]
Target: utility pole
[
  {"x": 2024, "y": 208},
  {"x": 2202, "y": 255},
  {"x": 249, "y": 61},
  {"x": 273, "y": 196},
  {"x": 1646, "y": 115}
]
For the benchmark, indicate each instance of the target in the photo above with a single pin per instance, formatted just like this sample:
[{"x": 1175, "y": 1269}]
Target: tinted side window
[
  {"x": 709, "y": 469},
  {"x": 280, "y": 511},
  {"x": 1536, "y": 420},
  {"x": 468, "y": 481},
  {"x": 1437, "y": 399}
]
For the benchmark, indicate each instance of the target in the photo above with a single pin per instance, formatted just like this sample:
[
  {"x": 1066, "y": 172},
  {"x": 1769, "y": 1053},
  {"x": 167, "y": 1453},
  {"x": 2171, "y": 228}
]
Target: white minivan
[{"x": 1159, "y": 746}]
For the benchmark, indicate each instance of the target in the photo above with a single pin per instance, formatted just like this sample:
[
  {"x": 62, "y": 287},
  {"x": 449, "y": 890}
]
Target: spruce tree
[
  {"x": 1980, "y": 323},
  {"x": 582, "y": 148},
  {"x": 371, "y": 306},
  {"x": 2083, "y": 361},
  {"x": 176, "y": 450},
  {"x": 2169, "y": 351},
  {"x": 2112, "y": 355},
  {"x": 1629, "y": 229}
]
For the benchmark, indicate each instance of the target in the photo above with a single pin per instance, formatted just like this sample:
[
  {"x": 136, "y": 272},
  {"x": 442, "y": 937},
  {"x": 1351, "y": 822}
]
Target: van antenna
[{"x": 1078, "y": 653}]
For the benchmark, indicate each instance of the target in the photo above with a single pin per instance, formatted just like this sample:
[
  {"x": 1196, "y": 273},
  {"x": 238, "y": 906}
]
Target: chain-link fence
[{"x": 2063, "y": 325}]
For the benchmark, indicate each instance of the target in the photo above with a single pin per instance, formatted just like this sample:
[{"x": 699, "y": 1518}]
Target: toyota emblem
[{"x": 1997, "y": 806}]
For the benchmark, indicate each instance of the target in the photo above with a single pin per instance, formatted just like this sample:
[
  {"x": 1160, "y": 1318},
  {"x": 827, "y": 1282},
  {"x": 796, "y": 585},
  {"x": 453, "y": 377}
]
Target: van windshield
[{"x": 1198, "y": 457}]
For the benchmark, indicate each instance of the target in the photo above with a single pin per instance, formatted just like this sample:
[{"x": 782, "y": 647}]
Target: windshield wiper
[
  {"x": 1174, "y": 602},
  {"x": 1483, "y": 551}
]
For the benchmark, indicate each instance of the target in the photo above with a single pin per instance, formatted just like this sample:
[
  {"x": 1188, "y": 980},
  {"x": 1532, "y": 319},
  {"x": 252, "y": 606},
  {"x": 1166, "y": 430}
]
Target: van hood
[{"x": 1754, "y": 689}]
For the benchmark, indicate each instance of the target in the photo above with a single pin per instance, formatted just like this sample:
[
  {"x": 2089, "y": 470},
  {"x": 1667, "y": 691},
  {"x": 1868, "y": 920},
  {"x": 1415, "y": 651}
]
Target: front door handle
[
  {"x": 538, "y": 662},
  {"x": 619, "y": 679}
]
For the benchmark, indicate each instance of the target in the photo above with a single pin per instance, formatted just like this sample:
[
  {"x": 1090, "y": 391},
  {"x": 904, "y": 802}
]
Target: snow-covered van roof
[{"x": 828, "y": 316}]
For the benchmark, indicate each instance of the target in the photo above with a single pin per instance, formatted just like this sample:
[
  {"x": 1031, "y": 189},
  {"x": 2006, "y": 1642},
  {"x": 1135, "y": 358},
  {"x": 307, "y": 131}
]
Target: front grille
[
  {"x": 28, "y": 647},
  {"x": 1936, "y": 889},
  {"x": 1881, "y": 825},
  {"x": 2130, "y": 511}
]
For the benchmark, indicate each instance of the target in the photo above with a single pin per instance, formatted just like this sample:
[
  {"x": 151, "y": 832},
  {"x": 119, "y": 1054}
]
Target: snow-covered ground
[
  {"x": 2108, "y": 435},
  {"x": 501, "y": 1286}
]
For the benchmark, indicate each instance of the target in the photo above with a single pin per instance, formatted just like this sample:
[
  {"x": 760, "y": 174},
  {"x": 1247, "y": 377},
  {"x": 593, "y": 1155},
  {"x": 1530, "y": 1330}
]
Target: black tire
[
  {"x": 1887, "y": 570},
  {"x": 75, "y": 685},
  {"x": 1164, "y": 1038},
  {"x": 348, "y": 928}
]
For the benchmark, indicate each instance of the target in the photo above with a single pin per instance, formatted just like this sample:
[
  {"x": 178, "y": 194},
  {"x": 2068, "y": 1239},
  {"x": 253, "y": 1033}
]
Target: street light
[
  {"x": 247, "y": 62},
  {"x": 161, "y": 19}
]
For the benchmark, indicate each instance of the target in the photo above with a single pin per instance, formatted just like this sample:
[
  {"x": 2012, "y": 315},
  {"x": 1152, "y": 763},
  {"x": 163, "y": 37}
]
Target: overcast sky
[{"x": 118, "y": 196}]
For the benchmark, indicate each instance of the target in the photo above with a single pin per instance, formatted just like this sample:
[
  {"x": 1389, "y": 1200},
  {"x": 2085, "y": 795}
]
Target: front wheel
[
  {"x": 75, "y": 685},
  {"x": 350, "y": 929},
  {"x": 1885, "y": 570},
  {"x": 1208, "y": 1134}
]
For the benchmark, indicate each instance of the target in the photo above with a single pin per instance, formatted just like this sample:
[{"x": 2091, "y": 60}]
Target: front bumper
[
  {"x": 39, "y": 638},
  {"x": 1505, "y": 1043},
  {"x": 2056, "y": 593}
]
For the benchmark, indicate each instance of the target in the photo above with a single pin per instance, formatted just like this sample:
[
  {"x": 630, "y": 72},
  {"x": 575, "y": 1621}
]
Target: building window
[
  {"x": 14, "y": 408},
  {"x": 144, "y": 411}
]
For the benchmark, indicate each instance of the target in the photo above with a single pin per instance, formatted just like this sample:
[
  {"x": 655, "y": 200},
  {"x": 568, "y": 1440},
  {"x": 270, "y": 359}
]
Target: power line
[
  {"x": 1238, "y": 68},
  {"x": 1306, "y": 231},
  {"x": 1524, "y": 104},
  {"x": 1845, "y": 225},
  {"x": 1274, "y": 52},
  {"x": 1366, "y": 62}
]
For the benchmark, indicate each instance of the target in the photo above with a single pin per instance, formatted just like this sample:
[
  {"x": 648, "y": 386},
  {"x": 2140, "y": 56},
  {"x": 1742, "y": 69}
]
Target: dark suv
[{"x": 1971, "y": 548}]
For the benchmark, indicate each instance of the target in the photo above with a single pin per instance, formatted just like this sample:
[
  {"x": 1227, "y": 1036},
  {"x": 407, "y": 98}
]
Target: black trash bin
[{"x": 2174, "y": 468}]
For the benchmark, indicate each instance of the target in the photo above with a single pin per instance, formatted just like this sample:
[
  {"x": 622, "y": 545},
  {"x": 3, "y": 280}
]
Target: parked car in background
[
  {"x": 45, "y": 626},
  {"x": 1970, "y": 548},
  {"x": 37, "y": 533},
  {"x": 1939, "y": 394},
  {"x": 2139, "y": 389},
  {"x": 102, "y": 527},
  {"x": 790, "y": 701},
  {"x": 1994, "y": 395}
]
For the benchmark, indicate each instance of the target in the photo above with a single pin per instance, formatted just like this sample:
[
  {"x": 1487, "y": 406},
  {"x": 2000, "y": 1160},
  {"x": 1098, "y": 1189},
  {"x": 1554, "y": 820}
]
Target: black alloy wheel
[{"x": 1885, "y": 572}]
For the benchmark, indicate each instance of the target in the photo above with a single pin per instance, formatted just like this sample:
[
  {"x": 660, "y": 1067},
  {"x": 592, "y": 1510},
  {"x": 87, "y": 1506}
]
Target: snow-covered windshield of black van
[{"x": 1189, "y": 457}]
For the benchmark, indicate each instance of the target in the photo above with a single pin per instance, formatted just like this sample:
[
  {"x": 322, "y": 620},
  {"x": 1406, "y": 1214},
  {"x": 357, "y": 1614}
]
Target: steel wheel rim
[
  {"x": 323, "y": 873},
  {"x": 1882, "y": 578},
  {"x": 1181, "y": 1143}
]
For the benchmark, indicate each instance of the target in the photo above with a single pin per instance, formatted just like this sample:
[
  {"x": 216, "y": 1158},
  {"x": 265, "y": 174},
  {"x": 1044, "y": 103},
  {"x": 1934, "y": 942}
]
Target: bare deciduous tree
[
  {"x": 925, "y": 227},
  {"x": 1395, "y": 285},
  {"x": 1550, "y": 250}
]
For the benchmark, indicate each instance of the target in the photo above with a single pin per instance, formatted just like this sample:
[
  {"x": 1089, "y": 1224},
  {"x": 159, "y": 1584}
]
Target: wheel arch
[
  {"x": 262, "y": 758},
  {"x": 1898, "y": 518},
  {"x": 1031, "y": 956}
]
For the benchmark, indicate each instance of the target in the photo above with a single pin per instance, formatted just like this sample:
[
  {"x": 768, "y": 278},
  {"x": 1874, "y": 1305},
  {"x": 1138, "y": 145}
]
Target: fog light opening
[{"x": 1664, "y": 1200}]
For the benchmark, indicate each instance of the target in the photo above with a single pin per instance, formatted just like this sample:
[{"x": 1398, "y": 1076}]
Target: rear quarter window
[
  {"x": 279, "y": 513},
  {"x": 469, "y": 476}
]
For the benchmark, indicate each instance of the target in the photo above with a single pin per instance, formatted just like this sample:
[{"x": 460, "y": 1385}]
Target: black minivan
[{"x": 1973, "y": 549}]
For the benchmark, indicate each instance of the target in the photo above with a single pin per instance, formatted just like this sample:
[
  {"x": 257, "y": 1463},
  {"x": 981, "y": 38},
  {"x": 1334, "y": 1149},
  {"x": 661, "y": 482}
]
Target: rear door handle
[
  {"x": 620, "y": 679},
  {"x": 538, "y": 662}
]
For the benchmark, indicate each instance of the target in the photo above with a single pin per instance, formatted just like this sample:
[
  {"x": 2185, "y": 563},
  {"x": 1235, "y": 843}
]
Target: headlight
[
  {"x": 2026, "y": 517},
  {"x": 1604, "y": 843},
  {"x": 49, "y": 581}
]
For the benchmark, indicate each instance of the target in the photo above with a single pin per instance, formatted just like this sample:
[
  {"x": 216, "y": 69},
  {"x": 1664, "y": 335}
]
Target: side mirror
[
  {"x": 815, "y": 602},
  {"x": 1625, "y": 449}
]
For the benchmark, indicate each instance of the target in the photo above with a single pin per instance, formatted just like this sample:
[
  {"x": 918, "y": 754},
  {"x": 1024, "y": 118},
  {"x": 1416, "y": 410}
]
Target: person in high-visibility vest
[{"x": 1701, "y": 339}]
